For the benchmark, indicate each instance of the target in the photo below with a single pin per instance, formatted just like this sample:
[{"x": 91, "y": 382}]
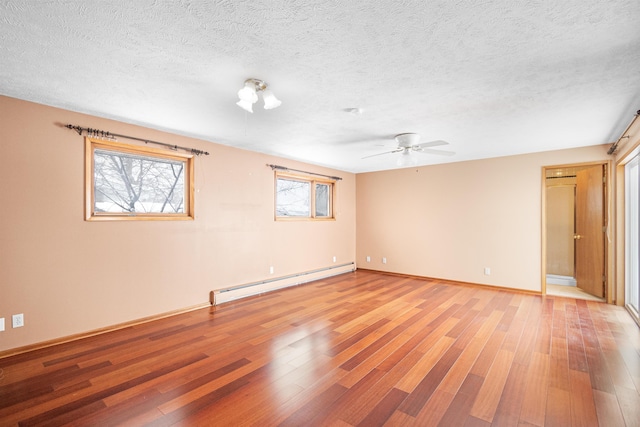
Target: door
[{"x": 589, "y": 234}]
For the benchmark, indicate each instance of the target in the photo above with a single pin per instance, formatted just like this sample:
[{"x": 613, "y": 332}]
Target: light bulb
[
  {"x": 406, "y": 159},
  {"x": 270, "y": 100},
  {"x": 245, "y": 105},
  {"x": 248, "y": 93}
]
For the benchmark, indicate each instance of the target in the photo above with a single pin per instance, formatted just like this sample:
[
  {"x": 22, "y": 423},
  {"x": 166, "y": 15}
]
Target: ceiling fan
[{"x": 410, "y": 142}]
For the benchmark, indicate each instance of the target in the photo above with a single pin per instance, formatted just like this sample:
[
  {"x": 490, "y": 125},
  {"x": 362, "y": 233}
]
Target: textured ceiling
[{"x": 492, "y": 78}]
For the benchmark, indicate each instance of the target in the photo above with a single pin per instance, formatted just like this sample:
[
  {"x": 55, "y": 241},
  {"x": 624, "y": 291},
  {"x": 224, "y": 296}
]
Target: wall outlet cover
[
  {"x": 17, "y": 320},
  {"x": 1, "y": 324}
]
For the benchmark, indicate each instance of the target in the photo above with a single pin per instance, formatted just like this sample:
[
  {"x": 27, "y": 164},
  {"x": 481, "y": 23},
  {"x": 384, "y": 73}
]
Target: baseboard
[
  {"x": 554, "y": 279},
  {"x": 76, "y": 337},
  {"x": 455, "y": 282},
  {"x": 220, "y": 296}
]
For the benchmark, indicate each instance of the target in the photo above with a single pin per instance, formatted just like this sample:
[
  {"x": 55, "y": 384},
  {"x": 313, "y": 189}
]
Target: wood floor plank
[
  {"x": 544, "y": 327},
  {"x": 362, "y": 348},
  {"x": 462, "y": 402},
  {"x": 416, "y": 400},
  {"x": 558, "y": 408},
  {"x": 373, "y": 347},
  {"x": 460, "y": 370},
  {"x": 608, "y": 408},
  {"x": 434, "y": 409},
  {"x": 430, "y": 331},
  {"x": 629, "y": 401},
  {"x": 425, "y": 364},
  {"x": 486, "y": 358},
  {"x": 379, "y": 357},
  {"x": 347, "y": 400},
  {"x": 491, "y": 390},
  {"x": 363, "y": 404},
  {"x": 559, "y": 368},
  {"x": 535, "y": 395},
  {"x": 583, "y": 409},
  {"x": 508, "y": 410},
  {"x": 314, "y": 407},
  {"x": 399, "y": 418},
  {"x": 384, "y": 409}
]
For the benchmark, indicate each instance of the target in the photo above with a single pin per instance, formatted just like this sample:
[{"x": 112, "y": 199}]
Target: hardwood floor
[{"x": 360, "y": 349}]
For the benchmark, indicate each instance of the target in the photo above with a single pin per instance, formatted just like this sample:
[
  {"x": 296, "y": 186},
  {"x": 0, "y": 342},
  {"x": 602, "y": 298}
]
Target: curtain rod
[
  {"x": 614, "y": 146},
  {"x": 106, "y": 134},
  {"x": 284, "y": 168}
]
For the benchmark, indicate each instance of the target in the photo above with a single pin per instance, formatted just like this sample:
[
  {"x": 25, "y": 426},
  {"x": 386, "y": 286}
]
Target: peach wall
[
  {"x": 69, "y": 276},
  {"x": 451, "y": 221}
]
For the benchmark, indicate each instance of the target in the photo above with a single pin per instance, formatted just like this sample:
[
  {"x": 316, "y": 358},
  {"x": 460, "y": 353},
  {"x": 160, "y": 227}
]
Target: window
[
  {"x": 300, "y": 197},
  {"x": 129, "y": 182},
  {"x": 632, "y": 238}
]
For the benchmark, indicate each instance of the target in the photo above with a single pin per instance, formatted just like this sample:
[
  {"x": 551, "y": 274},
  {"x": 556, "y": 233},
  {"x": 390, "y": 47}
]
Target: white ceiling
[{"x": 492, "y": 78}]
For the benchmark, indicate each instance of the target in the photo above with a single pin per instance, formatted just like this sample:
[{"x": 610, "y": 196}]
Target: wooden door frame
[{"x": 610, "y": 287}]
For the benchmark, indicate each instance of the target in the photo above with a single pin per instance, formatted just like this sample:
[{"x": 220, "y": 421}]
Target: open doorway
[{"x": 575, "y": 219}]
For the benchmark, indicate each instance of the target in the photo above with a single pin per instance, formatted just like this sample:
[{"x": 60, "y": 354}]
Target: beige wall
[
  {"x": 69, "y": 276},
  {"x": 451, "y": 221},
  {"x": 560, "y": 226}
]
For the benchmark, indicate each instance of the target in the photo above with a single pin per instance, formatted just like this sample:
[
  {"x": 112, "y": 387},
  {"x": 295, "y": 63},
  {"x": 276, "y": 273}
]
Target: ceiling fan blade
[
  {"x": 435, "y": 143},
  {"x": 397, "y": 150},
  {"x": 438, "y": 152}
]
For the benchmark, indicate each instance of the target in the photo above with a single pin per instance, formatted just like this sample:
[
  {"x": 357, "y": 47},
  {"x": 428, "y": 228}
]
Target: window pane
[
  {"x": 322, "y": 200},
  {"x": 138, "y": 184},
  {"x": 632, "y": 186},
  {"x": 293, "y": 198}
]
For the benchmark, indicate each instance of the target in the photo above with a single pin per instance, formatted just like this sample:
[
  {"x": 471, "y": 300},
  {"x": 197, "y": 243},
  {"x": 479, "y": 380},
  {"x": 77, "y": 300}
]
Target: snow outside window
[{"x": 135, "y": 182}]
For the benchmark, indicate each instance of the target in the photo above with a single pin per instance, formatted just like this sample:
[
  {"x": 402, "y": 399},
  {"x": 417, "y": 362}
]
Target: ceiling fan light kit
[
  {"x": 248, "y": 95},
  {"x": 406, "y": 159}
]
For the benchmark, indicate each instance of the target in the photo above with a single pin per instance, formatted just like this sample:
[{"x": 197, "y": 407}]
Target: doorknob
[{"x": 577, "y": 237}]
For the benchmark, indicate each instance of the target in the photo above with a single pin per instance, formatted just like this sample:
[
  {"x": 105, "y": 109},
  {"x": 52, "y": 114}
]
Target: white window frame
[{"x": 632, "y": 261}]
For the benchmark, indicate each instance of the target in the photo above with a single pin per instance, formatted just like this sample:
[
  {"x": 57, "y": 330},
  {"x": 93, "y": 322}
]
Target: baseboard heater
[{"x": 255, "y": 288}]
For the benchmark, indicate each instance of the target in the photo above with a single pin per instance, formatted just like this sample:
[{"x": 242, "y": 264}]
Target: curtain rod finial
[{"x": 76, "y": 128}]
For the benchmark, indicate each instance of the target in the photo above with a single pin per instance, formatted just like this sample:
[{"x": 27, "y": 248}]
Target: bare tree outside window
[
  {"x": 322, "y": 200},
  {"x": 302, "y": 197},
  {"x": 133, "y": 182},
  {"x": 293, "y": 198}
]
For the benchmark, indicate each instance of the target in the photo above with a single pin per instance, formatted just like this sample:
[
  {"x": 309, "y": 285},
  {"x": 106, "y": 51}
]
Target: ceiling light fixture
[{"x": 249, "y": 95}]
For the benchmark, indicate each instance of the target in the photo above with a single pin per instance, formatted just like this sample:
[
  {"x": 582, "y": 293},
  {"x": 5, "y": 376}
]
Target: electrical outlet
[
  {"x": 368, "y": 259},
  {"x": 384, "y": 260},
  {"x": 1, "y": 324},
  {"x": 334, "y": 259},
  {"x": 17, "y": 320},
  {"x": 487, "y": 271},
  {"x": 271, "y": 270}
]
